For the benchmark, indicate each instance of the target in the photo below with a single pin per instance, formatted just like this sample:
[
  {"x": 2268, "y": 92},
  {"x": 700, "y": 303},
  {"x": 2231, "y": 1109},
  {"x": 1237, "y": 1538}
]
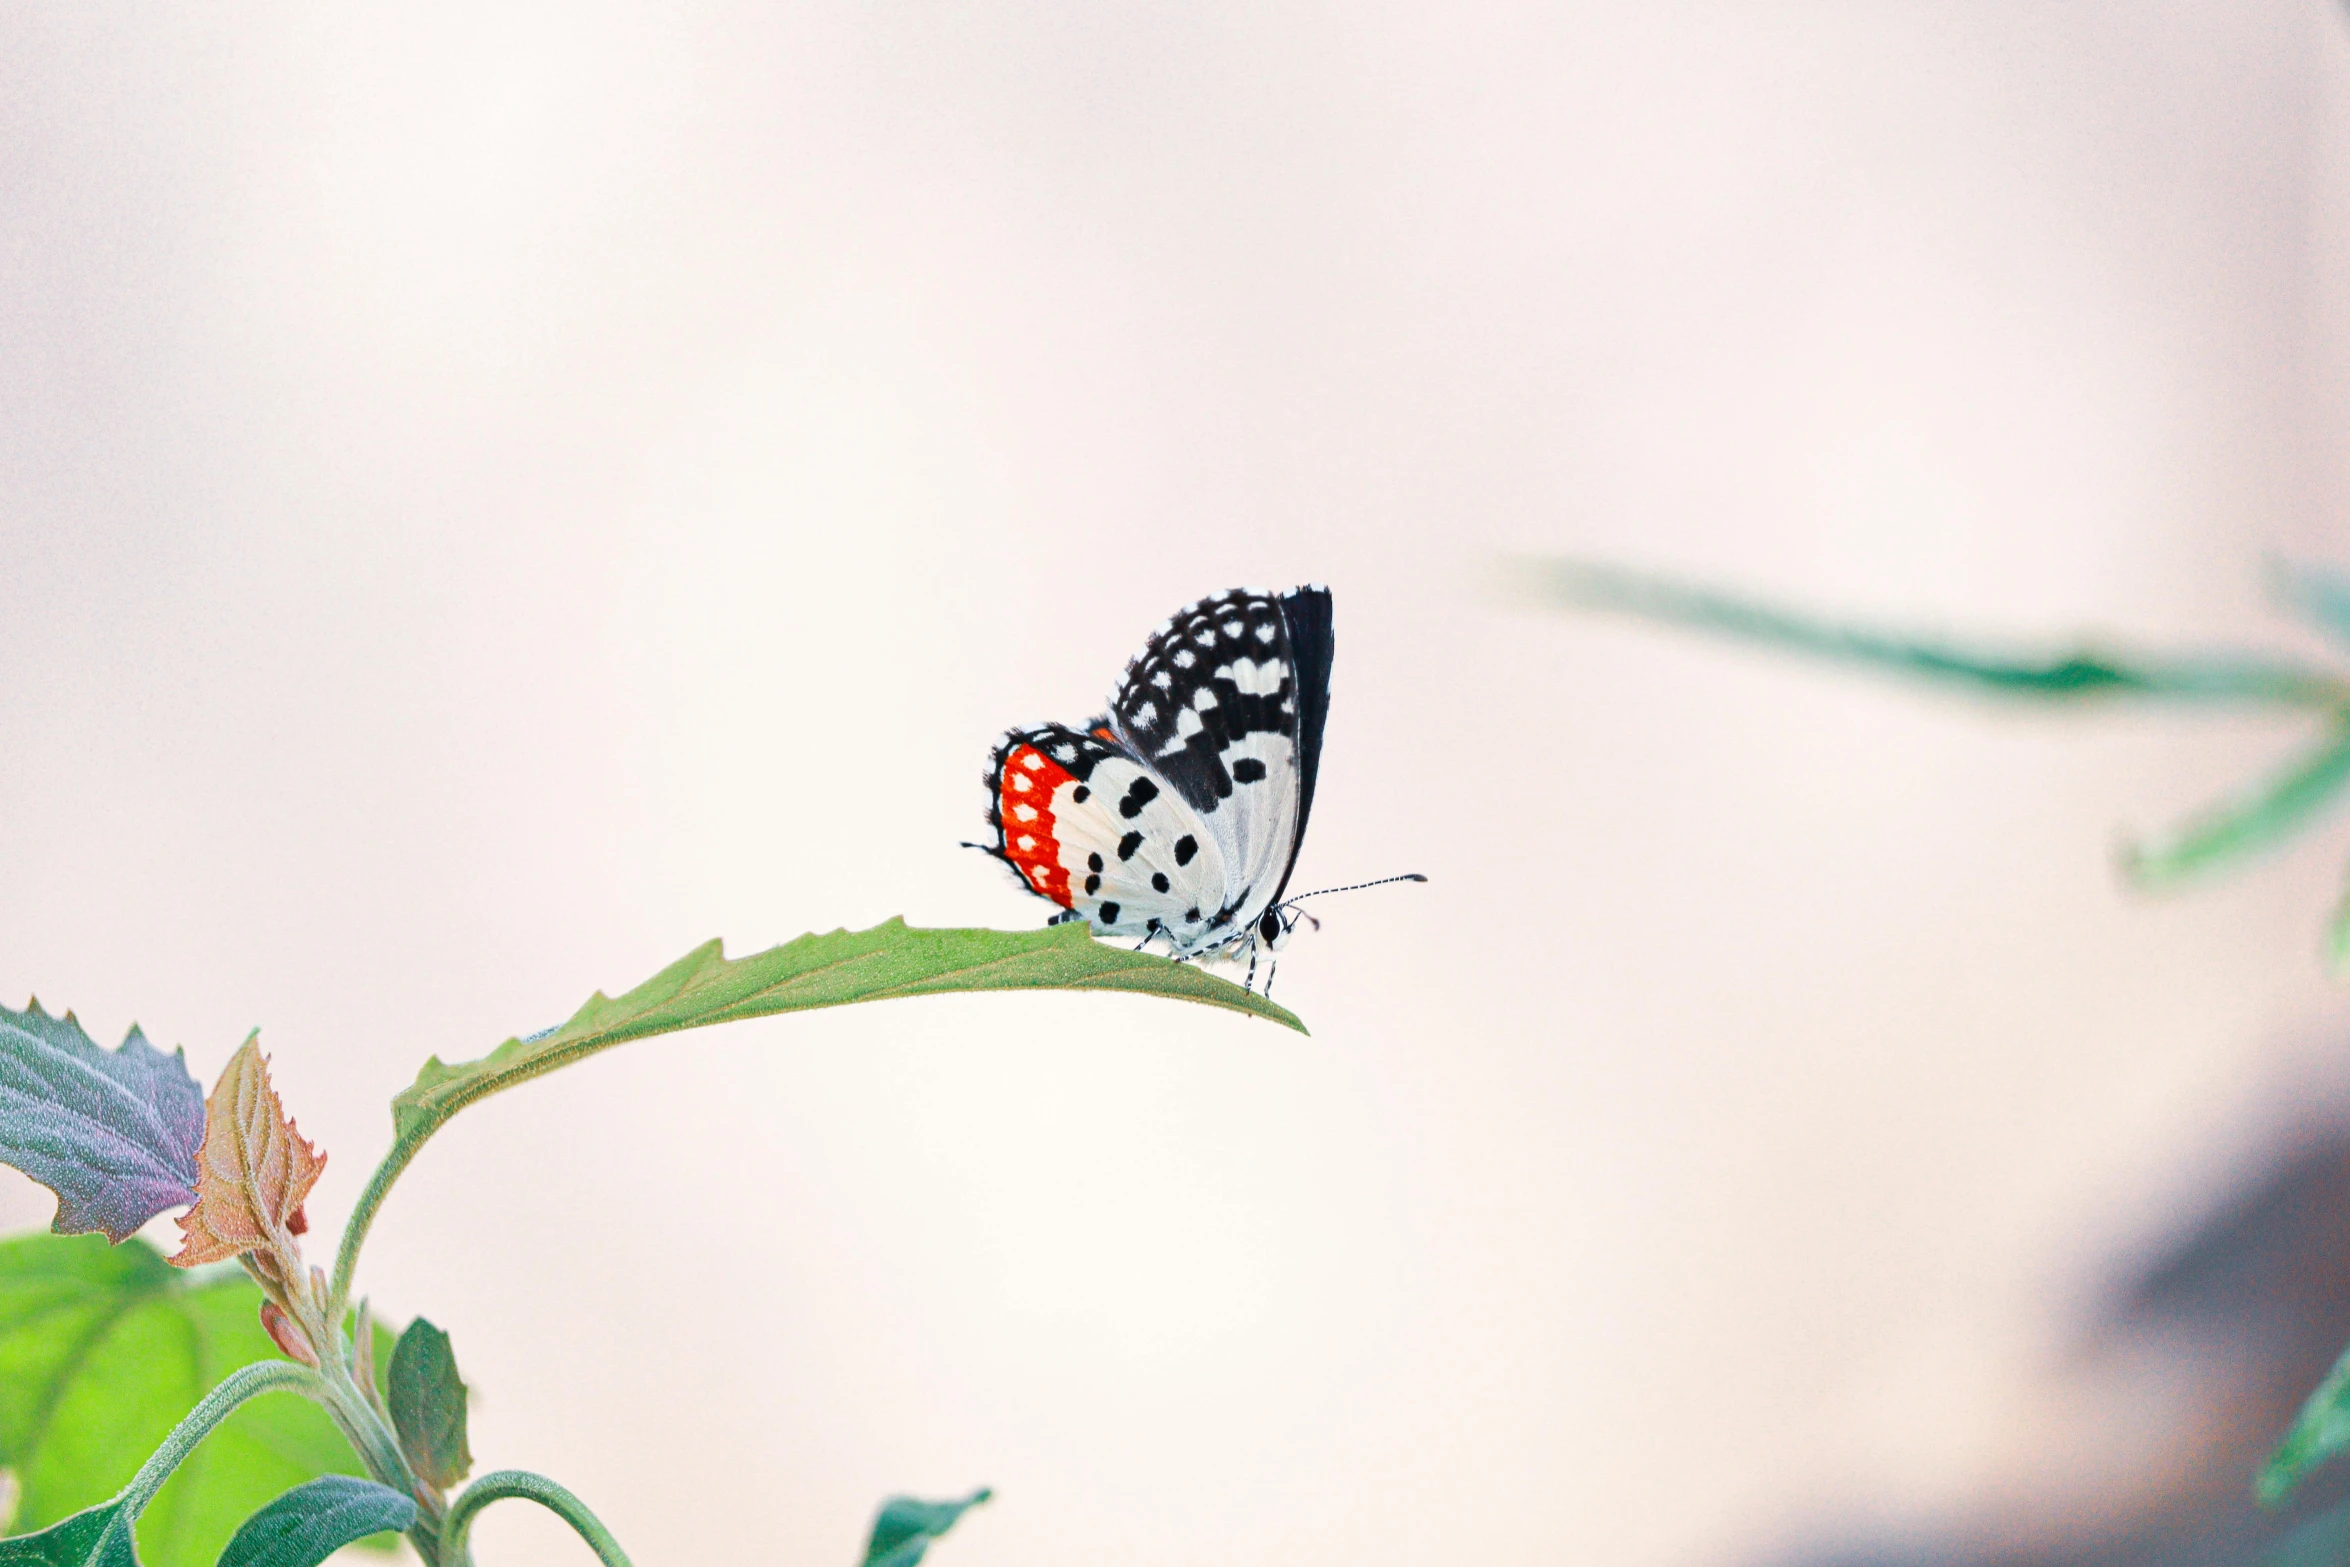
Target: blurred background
[{"x": 492, "y": 496}]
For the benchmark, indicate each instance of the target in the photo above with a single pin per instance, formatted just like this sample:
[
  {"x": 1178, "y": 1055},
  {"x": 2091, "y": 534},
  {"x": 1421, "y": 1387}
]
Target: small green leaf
[
  {"x": 311, "y": 1522},
  {"x": 2062, "y": 677},
  {"x": 906, "y": 1527},
  {"x": 102, "y": 1351},
  {"x": 2319, "y": 1432},
  {"x": 428, "y": 1405},
  {"x": 890, "y": 960},
  {"x": 94, "y": 1537},
  {"x": 2262, "y": 817}
]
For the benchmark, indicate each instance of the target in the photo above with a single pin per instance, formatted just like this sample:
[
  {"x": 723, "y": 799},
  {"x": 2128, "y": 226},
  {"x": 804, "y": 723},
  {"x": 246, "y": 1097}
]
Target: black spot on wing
[
  {"x": 1077, "y": 750},
  {"x": 1109, "y": 915},
  {"x": 1128, "y": 844},
  {"x": 1138, "y": 794},
  {"x": 1248, "y": 770},
  {"x": 1185, "y": 847}
]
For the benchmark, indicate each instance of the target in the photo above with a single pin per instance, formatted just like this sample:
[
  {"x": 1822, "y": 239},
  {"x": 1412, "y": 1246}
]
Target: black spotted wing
[{"x": 1227, "y": 703}]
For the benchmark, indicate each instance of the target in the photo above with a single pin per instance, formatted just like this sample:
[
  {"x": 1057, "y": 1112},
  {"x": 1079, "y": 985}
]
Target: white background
[{"x": 493, "y": 496}]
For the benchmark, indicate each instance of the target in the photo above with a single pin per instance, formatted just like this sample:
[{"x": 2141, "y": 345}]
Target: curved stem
[
  {"x": 263, "y": 1376},
  {"x": 532, "y": 1487},
  {"x": 379, "y": 1186}
]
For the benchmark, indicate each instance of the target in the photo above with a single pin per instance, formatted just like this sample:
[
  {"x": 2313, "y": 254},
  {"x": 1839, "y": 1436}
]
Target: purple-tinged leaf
[{"x": 112, "y": 1132}]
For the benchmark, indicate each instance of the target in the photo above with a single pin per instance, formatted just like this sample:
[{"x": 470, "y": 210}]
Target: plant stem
[
  {"x": 364, "y": 1427},
  {"x": 456, "y": 1552},
  {"x": 264, "y": 1376},
  {"x": 379, "y": 1186}
]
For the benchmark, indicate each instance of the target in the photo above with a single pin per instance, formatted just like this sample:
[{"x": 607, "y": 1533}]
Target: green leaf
[
  {"x": 2318, "y": 1433},
  {"x": 311, "y": 1522},
  {"x": 2320, "y": 597},
  {"x": 2062, "y": 677},
  {"x": 705, "y": 986},
  {"x": 890, "y": 960},
  {"x": 102, "y": 1351},
  {"x": 906, "y": 1527},
  {"x": 2272, "y": 811},
  {"x": 428, "y": 1405},
  {"x": 2266, "y": 815},
  {"x": 95, "y": 1537}
]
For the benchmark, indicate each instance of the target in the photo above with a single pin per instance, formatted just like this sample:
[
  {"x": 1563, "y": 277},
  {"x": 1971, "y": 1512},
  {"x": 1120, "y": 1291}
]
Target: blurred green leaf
[
  {"x": 2318, "y": 1433},
  {"x": 2261, "y": 817},
  {"x": 2265, "y": 815},
  {"x": 102, "y": 1351},
  {"x": 2320, "y": 597},
  {"x": 311, "y": 1522},
  {"x": 96, "y": 1537},
  {"x": 2062, "y": 677},
  {"x": 906, "y": 1528},
  {"x": 890, "y": 960},
  {"x": 2324, "y": 1541},
  {"x": 428, "y": 1405}
]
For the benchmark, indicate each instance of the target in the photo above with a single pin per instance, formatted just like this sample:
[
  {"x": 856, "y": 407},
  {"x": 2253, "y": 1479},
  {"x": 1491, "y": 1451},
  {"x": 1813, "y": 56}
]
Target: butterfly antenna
[{"x": 1323, "y": 892}]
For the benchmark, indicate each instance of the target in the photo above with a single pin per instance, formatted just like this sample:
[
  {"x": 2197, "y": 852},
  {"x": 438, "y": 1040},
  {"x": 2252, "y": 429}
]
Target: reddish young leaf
[{"x": 252, "y": 1172}]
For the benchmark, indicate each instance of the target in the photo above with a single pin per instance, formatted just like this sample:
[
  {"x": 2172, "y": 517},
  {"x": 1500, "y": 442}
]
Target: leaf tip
[
  {"x": 253, "y": 1171},
  {"x": 2278, "y": 1478}
]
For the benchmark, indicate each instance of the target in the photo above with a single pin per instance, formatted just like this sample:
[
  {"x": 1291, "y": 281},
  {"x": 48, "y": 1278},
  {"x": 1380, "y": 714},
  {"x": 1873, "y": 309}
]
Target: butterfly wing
[
  {"x": 1227, "y": 703},
  {"x": 1082, "y": 821},
  {"x": 1305, "y": 616}
]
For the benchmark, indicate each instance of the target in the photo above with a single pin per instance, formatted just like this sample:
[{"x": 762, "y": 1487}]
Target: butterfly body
[{"x": 1179, "y": 813}]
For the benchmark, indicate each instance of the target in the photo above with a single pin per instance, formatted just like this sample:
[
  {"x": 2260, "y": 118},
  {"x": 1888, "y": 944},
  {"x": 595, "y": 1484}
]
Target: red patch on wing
[{"x": 1025, "y": 802}]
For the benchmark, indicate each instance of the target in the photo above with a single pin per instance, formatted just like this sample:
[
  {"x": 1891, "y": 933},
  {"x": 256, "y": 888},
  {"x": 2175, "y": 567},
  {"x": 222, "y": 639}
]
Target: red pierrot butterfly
[{"x": 1177, "y": 815}]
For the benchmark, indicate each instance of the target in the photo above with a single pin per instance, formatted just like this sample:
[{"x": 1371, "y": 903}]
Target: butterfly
[{"x": 1177, "y": 815}]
